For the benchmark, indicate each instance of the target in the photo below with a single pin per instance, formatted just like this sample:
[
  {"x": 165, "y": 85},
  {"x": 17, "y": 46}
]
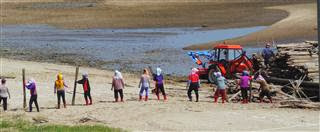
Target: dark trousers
[
  {"x": 87, "y": 95},
  {"x": 244, "y": 93},
  {"x": 116, "y": 92},
  {"x": 33, "y": 99},
  {"x": 61, "y": 94},
  {"x": 265, "y": 93},
  {"x": 5, "y": 104},
  {"x": 160, "y": 88},
  {"x": 193, "y": 87}
]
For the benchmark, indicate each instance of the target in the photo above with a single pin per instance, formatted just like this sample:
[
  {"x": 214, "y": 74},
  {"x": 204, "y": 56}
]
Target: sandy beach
[
  {"x": 177, "y": 114},
  {"x": 300, "y": 25}
]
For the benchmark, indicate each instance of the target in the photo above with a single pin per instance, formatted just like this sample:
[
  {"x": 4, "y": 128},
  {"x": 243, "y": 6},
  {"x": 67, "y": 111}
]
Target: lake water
[{"x": 122, "y": 49}]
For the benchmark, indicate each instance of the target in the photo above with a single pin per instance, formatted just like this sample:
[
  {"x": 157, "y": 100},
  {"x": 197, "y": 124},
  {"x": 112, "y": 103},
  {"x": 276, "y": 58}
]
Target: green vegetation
[{"x": 24, "y": 126}]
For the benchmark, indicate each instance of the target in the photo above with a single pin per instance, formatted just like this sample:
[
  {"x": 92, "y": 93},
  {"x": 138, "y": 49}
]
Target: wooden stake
[
  {"x": 75, "y": 86},
  {"x": 24, "y": 88}
]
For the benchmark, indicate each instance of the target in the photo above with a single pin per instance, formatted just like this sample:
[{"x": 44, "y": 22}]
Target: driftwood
[{"x": 299, "y": 104}]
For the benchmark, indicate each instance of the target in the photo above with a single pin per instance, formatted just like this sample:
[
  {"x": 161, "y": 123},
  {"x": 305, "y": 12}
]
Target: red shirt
[{"x": 194, "y": 78}]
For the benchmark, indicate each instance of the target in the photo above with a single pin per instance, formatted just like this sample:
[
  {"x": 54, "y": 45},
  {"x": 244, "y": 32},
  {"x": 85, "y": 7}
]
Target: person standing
[
  {"x": 31, "y": 85},
  {"x": 267, "y": 53},
  {"x": 244, "y": 86},
  {"x": 117, "y": 85},
  {"x": 86, "y": 88},
  {"x": 144, "y": 84},
  {"x": 59, "y": 88},
  {"x": 221, "y": 87},
  {"x": 4, "y": 94},
  {"x": 193, "y": 84},
  {"x": 159, "y": 81}
]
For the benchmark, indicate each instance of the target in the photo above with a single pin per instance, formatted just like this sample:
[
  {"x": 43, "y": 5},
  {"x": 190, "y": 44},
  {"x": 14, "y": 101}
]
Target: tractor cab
[
  {"x": 228, "y": 59},
  {"x": 226, "y": 53}
]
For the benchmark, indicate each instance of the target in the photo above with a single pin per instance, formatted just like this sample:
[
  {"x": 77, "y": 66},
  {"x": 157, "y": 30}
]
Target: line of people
[{"x": 118, "y": 84}]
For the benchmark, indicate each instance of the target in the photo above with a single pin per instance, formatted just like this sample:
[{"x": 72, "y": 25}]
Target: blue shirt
[
  {"x": 267, "y": 53},
  {"x": 221, "y": 82}
]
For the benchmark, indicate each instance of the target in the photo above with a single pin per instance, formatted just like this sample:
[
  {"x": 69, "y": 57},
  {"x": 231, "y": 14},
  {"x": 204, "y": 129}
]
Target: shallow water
[{"x": 122, "y": 48}]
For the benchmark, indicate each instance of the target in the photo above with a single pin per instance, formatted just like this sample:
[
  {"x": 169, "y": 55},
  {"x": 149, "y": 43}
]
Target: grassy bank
[{"x": 25, "y": 126}]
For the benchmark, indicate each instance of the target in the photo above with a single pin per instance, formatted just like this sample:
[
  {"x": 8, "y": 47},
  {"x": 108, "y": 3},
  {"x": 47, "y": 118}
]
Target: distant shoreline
[{"x": 300, "y": 25}]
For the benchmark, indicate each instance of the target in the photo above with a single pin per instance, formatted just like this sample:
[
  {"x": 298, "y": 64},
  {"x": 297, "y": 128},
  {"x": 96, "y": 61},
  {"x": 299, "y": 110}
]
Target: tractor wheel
[{"x": 211, "y": 76}]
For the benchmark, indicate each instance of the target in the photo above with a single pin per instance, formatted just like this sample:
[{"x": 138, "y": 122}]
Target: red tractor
[{"x": 230, "y": 60}]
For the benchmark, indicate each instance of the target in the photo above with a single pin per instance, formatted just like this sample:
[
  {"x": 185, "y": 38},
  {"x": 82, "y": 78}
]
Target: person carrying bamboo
[
  {"x": 144, "y": 85},
  {"x": 4, "y": 94},
  {"x": 86, "y": 88},
  {"x": 159, "y": 81},
  {"x": 117, "y": 85},
  {"x": 59, "y": 88},
  {"x": 31, "y": 85},
  {"x": 264, "y": 88},
  {"x": 193, "y": 84}
]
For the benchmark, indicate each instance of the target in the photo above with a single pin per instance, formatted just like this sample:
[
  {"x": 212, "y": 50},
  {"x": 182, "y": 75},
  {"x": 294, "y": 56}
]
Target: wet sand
[
  {"x": 144, "y": 13},
  {"x": 299, "y": 26},
  {"x": 177, "y": 114}
]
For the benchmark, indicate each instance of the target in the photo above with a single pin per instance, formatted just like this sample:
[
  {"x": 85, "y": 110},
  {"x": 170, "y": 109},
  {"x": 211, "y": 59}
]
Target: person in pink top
[
  {"x": 244, "y": 86},
  {"x": 117, "y": 85}
]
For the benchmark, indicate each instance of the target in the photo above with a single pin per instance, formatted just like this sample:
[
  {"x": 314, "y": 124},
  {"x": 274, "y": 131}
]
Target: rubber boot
[
  {"x": 158, "y": 97},
  {"x": 165, "y": 97},
  {"x": 87, "y": 102},
  {"x": 90, "y": 102},
  {"x": 140, "y": 98},
  {"x": 215, "y": 99},
  {"x": 146, "y": 99},
  {"x": 243, "y": 101}
]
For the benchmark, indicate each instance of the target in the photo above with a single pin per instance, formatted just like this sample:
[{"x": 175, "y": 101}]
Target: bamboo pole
[
  {"x": 24, "y": 88},
  {"x": 75, "y": 86}
]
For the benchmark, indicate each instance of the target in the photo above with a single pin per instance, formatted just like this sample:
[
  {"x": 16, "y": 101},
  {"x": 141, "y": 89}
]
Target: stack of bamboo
[{"x": 295, "y": 60}]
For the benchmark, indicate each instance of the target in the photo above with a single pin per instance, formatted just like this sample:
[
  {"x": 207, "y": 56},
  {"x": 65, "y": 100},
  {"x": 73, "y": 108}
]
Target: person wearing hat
[
  {"x": 264, "y": 88},
  {"x": 4, "y": 94},
  {"x": 244, "y": 86},
  {"x": 221, "y": 87},
  {"x": 31, "y": 85},
  {"x": 267, "y": 53},
  {"x": 59, "y": 88},
  {"x": 193, "y": 84},
  {"x": 159, "y": 81},
  {"x": 86, "y": 88},
  {"x": 117, "y": 85}
]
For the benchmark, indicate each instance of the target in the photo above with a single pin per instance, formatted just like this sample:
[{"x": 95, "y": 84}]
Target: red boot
[
  {"x": 215, "y": 99},
  {"x": 158, "y": 97},
  {"x": 223, "y": 100},
  {"x": 165, "y": 97},
  {"x": 140, "y": 98},
  {"x": 243, "y": 101},
  {"x": 87, "y": 102},
  {"x": 146, "y": 98}
]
